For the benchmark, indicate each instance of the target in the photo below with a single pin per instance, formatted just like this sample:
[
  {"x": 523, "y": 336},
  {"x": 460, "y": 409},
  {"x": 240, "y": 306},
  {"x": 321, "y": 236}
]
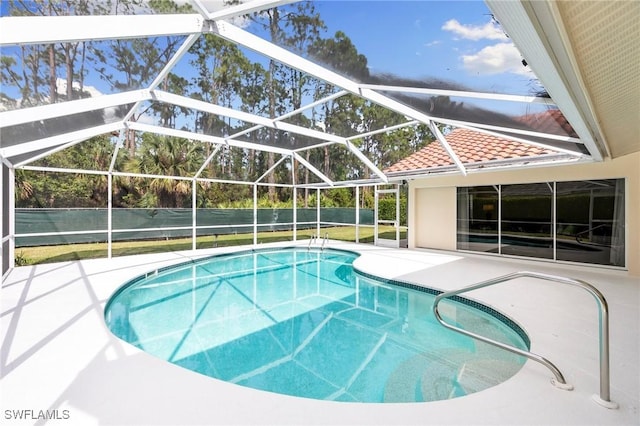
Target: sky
[{"x": 452, "y": 40}]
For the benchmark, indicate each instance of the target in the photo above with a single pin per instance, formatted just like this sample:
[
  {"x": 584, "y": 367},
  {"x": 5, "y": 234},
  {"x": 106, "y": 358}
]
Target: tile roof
[
  {"x": 471, "y": 147},
  {"x": 551, "y": 121}
]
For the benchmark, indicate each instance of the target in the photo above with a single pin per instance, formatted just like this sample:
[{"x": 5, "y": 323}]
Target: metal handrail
[
  {"x": 604, "y": 397},
  {"x": 581, "y": 233},
  {"x": 311, "y": 240},
  {"x": 326, "y": 237}
]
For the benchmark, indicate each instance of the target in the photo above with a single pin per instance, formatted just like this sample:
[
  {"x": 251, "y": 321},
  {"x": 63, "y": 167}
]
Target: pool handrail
[
  {"x": 324, "y": 241},
  {"x": 603, "y": 398}
]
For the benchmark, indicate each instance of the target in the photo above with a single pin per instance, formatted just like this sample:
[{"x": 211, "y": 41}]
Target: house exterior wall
[
  {"x": 436, "y": 217},
  {"x": 432, "y": 200}
]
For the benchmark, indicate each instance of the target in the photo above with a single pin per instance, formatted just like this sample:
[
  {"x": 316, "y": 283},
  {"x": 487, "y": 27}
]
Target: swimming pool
[{"x": 304, "y": 323}]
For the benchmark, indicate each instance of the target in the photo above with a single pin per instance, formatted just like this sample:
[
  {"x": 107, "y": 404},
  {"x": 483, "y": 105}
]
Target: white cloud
[
  {"x": 61, "y": 88},
  {"x": 496, "y": 59},
  {"x": 490, "y": 30},
  {"x": 240, "y": 21},
  {"x": 432, "y": 43}
]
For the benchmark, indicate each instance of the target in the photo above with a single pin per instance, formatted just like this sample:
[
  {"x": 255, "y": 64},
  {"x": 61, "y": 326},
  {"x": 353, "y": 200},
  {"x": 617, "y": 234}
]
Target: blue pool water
[{"x": 303, "y": 322}]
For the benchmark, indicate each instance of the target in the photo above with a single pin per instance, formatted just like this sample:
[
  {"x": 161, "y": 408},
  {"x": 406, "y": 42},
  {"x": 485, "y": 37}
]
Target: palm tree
[
  {"x": 23, "y": 187},
  {"x": 167, "y": 156}
]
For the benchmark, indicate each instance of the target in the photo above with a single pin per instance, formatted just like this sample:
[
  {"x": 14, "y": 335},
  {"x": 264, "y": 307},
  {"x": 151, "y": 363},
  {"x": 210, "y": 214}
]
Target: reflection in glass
[
  {"x": 478, "y": 219},
  {"x": 527, "y": 220},
  {"x": 590, "y": 221}
]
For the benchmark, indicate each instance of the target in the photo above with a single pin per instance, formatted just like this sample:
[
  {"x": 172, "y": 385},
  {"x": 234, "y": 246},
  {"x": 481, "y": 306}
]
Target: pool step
[
  {"x": 457, "y": 373},
  {"x": 404, "y": 383}
]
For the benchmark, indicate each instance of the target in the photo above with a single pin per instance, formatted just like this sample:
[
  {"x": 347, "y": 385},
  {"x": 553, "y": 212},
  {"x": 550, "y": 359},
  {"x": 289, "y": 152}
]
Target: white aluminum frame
[
  {"x": 376, "y": 221},
  {"x": 535, "y": 27},
  {"x": 21, "y": 30},
  {"x": 525, "y": 22}
]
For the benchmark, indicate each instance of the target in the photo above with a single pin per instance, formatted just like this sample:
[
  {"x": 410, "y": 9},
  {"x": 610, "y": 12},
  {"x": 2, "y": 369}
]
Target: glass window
[
  {"x": 590, "y": 221},
  {"x": 527, "y": 220},
  {"x": 478, "y": 219}
]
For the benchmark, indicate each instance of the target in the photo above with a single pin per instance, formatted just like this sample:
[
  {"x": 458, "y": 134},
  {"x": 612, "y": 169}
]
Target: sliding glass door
[
  {"x": 579, "y": 221},
  {"x": 478, "y": 218},
  {"x": 527, "y": 220},
  {"x": 590, "y": 221}
]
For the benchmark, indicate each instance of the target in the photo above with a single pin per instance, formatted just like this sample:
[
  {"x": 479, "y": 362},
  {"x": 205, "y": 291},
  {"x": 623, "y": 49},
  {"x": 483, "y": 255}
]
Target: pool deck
[{"x": 57, "y": 353}]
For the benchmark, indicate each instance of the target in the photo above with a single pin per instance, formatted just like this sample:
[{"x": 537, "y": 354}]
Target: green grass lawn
[{"x": 62, "y": 253}]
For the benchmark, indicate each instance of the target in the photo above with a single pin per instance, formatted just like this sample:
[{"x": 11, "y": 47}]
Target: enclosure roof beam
[
  {"x": 366, "y": 161},
  {"x": 241, "y": 115},
  {"x": 312, "y": 104},
  {"x": 410, "y": 112},
  {"x": 292, "y": 113},
  {"x": 183, "y": 50},
  {"x": 312, "y": 169},
  {"x": 443, "y": 141},
  {"x": 200, "y": 8},
  {"x": 237, "y": 35},
  {"x": 63, "y": 170},
  {"x": 461, "y": 94},
  {"x": 142, "y": 127},
  {"x": 47, "y": 153},
  {"x": 6, "y": 162},
  {"x": 457, "y": 123},
  {"x": 207, "y": 161},
  {"x": 542, "y": 40},
  {"x": 61, "y": 109},
  {"x": 242, "y": 37},
  {"x": 116, "y": 149},
  {"x": 318, "y": 145},
  {"x": 53, "y": 141},
  {"x": 495, "y": 131},
  {"x": 272, "y": 168},
  {"x": 242, "y": 182},
  {"x": 20, "y": 30},
  {"x": 246, "y": 8},
  {"x": 246, "y": 131},
  {"x": 384, "y": 130}
]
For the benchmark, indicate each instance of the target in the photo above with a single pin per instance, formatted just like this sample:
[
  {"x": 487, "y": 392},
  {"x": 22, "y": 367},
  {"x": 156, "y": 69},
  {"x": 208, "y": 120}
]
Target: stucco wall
[
  {"x": 436, "y": 217},
  {"x": 432, "y": 219}
]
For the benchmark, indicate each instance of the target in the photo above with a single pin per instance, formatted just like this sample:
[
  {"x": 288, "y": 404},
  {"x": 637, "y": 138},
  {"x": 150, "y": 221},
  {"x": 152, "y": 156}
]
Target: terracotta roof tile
[
  {"x": 471, "y": 147},
  {"x": 551, "y": 121}
]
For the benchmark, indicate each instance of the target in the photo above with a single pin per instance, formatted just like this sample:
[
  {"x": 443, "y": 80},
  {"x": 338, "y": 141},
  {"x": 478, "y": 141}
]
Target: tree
[
  {"x": 130, "y": 64},
  {"x": 221, "y": 68},
  {"x": 166, "y": 156},
  {"x": 36, "y": 77},
  {"x": 253, "y": 99},
  {"x": 46, "y": 189},
  {"x": 339, "y": 116},
  {"x": 23, "y": 187},
  {"x": 296, "y": 27},
  {"x": 303, "y": 33}
]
